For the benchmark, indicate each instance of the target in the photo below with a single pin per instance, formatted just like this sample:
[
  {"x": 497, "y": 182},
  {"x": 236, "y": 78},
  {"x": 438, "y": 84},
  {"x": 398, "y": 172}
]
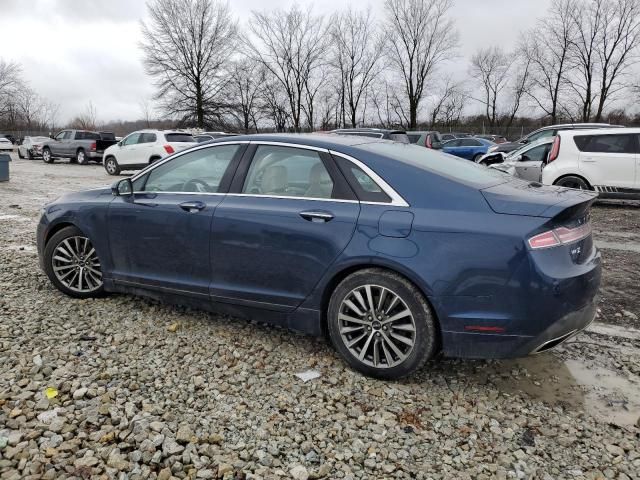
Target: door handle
[
  {"x": 192, "y": 207},
  {"x": 317, "y": 217}
]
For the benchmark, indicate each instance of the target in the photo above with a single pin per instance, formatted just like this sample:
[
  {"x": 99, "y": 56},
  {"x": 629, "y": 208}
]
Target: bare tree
[
  {"x": 10, "y": 83},
  {"x": 357, "y": 55},
  {"x": 442, "y": 97},
  {"x": 291, "y": 45},
  {"x": 619, "y": 44},
  {"x": 489, "y": 66},
  {"x": 87, "y": 120},
  {"x": 420, "y": 37},
  {"x": 548, "y": 48},
  {"x": 245, "y": 86},
  {"x": 30, "y": 107},
  {"x": 146, "y": 109},
  {"x": 187, "y": 45},
  {"x": 275, "y": 103}
]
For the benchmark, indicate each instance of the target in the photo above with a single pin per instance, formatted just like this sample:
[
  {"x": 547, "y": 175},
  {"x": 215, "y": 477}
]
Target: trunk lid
[{"x": 519, "y": 197}]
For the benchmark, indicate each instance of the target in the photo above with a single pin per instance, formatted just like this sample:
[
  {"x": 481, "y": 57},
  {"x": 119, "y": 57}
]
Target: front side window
[
  {"x": 197, "y": 172},
  {"x": 604, "y": 143},
  {"x": 131, "y": 139},
  {"x": 536, "y": 154},
  {"x": 62, "y": 135},
  {"x": 453, "y": 143},
  {"x": 289, "y": 172}
]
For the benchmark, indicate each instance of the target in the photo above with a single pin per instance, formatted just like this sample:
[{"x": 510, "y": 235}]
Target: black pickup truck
[{"x": 81, "y": 146}]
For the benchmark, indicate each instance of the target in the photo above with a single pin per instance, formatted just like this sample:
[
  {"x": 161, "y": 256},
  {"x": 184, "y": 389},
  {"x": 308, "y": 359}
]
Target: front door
[
  {"x": 127, "y": 152},
  {"x": 59, "y": 146},
  {"x": 159, "y": 237},
  {"x": 529, "y": 165},
  {"x": 287, "y": 222}
]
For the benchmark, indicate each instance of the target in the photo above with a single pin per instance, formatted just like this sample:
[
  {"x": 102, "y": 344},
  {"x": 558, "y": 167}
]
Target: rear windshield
[
  {"x": 179, "y": 138},
  {"x": 436, "y": 162},
  {"x": 399, "y": 137},
  {"x": 107, "y": 136}
]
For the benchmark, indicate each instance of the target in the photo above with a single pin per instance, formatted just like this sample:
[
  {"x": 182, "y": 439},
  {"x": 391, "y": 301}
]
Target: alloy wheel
[
  {"x": 376, "y": 326},
  {"x": 76, "y": 265},
  {"x": 110, "y": 166}
]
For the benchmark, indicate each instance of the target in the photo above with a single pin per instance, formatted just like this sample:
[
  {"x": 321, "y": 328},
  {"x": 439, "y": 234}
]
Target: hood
[{"x": 519, "y": 197}]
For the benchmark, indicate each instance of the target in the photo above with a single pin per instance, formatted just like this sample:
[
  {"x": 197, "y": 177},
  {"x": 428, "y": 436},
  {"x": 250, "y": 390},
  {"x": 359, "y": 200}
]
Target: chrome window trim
[{"x": 396, "y": 198}]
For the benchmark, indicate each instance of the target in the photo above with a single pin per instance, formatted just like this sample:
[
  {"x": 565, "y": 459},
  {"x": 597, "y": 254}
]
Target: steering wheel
[{"x": 199, "y": 185}]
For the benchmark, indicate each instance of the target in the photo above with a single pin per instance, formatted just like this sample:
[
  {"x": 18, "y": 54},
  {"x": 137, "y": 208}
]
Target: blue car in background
[
  {"x": 395, "y": 252},
  {"x": 469, "y": 148}
]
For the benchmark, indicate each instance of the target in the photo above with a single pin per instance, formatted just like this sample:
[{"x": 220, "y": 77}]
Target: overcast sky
[{"x": 76, "y": 51}]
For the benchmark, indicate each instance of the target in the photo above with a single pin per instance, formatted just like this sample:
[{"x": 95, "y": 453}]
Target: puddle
[
  {"x": 602, "y": 393},
  {"x": 627, "y": 247}
]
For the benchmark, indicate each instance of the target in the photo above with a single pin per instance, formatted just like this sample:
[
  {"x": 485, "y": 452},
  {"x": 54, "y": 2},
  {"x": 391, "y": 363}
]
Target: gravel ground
[{"x": 145, "y": 390}]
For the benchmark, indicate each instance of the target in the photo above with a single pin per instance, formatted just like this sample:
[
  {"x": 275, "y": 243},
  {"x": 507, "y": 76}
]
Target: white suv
[
  {"x": 139, "y": 149},
  {"x": 604, "y": 160}
]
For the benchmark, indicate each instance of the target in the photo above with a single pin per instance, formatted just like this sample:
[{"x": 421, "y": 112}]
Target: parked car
[
  {"x": 208, "y": 136},
  {"x": 545, "y": 132},
  {"x": 395, "y": 135},
  {"x": 604, "y": 160},
  {"x": 80, "y": 146},
  {"x": 139, "y": 149},
  {"x": 5, "y": 145},
  {"x": 376, "y": 243},
  {"x": 494, "y": 138},
  {"x": 429, "y": 139},
  {"x": 9, "y": 137},
  {"x": 526, "y": 162},
  {"x": 452, "y": 136},
  {"x": 469, "y": 148},
  {"x": 31, "y": 147}
]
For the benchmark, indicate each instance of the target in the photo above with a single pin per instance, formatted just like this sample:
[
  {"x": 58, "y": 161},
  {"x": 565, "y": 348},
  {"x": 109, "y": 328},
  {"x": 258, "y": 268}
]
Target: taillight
[
  {"x": 555, "y": 149},
  {"x": 93, "y": 147},
  {"x": 560, "y": 236},
  {"x": 429, "y": 144},
  {"x": 169, "y": 149}
]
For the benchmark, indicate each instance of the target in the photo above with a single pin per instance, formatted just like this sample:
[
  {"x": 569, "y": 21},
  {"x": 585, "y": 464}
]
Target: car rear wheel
[
  {"x": 72, "y": 264},
  {"x": 477, "y": 157},
  {"x": 573, "y": 182},
  {"x": 381, "y": 324},
  {"x": 46, "y": 155},
  {"x": 81, "y": 157},
  {"x": 111, "y": 166}
]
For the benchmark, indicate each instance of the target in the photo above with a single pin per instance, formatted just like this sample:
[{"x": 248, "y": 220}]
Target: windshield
[{"x": 436, "y": 162}]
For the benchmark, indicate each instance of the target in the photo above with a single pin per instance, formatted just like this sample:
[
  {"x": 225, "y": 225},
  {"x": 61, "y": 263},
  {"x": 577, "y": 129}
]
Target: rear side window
[
  {"x": 605, "y": 143},
  {"x": 468, "y": 142},
  {"x": 87, "y": 136},
  {"x": 399, "y": 137},
  {"x": 147, "y": 138},
  {"x": 179, "y": 138},
  {"x": 365, "y": 187}
]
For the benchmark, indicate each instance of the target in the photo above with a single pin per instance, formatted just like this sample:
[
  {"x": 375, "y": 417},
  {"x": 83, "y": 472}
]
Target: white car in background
[
  {"x": 31, "y": 147},
  {"x": 604, "y": 160},
  {"x": 5, "y": 145},
  {"x": 526, "y": 162},
  {"x": 139, "y": 149}
]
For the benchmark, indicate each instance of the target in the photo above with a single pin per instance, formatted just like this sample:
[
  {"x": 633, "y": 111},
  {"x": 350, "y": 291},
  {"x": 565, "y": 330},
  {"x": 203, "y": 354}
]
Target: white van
[{"x": 604, "y": 160}]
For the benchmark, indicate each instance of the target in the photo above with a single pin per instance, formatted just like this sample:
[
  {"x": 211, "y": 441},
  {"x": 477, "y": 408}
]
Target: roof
[
  {"x": 311, "y": 139},
  {"x": 367, "y": 129},
  {"x": 600, "y": 131}
]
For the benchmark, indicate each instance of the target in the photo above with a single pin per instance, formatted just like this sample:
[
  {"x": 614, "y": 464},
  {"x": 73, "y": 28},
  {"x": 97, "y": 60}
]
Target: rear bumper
[{"x": 485, "y": 346}]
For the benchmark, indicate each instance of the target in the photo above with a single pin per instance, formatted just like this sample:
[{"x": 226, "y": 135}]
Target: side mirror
[
  {"x": 524, "y": 140},
  {"x": 122, "y": 188},
  {"x": 119, "y": 144}
]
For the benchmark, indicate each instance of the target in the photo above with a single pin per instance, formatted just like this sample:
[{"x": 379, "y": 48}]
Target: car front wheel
[
  {"x": 72, "y": 264},
  {"x": 46, "y": 156},
  {"x": 381, "y": 324},
  {"x": 111, "y": 166}
]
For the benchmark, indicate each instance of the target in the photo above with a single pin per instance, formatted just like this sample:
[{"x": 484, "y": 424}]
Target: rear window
[
  {"x": 179, "y": 138},
  {"x": 605, "y": 143},
  {"x": 87, "y": 136},
  {"x": 399, "y": 137},
  {"x": 436, "y": 162}
]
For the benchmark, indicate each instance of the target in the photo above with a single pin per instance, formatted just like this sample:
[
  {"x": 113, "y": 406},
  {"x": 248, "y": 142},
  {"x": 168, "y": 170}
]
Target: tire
[
  {"x": 572, "y": 181},
  {"x": 46, "y": 155},
  {"x": 111, "y": 166},
  {"x": 81, "y": 157},
  {"x": 20, "y": 154},
  {"x": 72, "y": 265},
  {"x": 381, "y": 358},
  {"x": 29, "y": 154},
  {"x": 477, "y": 157}
]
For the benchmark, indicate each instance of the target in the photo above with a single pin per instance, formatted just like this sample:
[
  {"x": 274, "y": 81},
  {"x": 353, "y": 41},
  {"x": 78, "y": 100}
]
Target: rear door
[
  {"x": 289, "y": 215},
  {"x": 608, "y": 159}
]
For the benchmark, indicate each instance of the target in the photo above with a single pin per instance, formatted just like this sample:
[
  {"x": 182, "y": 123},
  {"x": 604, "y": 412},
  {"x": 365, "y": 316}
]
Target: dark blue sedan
[
  {"x": 470, "y": 148},
  {"x": 394, "y": 251}
]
